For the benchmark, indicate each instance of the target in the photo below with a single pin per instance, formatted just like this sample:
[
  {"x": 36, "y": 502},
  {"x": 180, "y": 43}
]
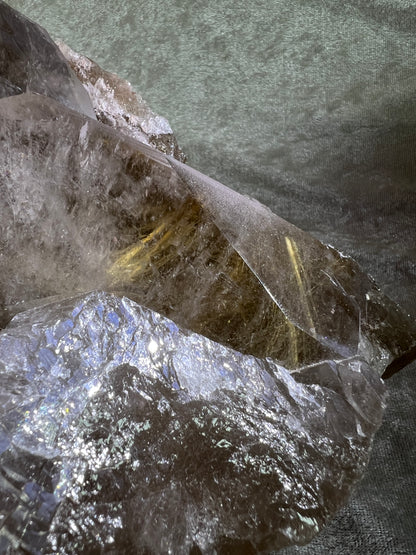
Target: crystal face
[
  {"x": 30, "y": 61},
  {"x": 121, "y": 428},
  {"x": 181, "y": 370},
  {"x": 121, "y": 216},
  {"x": 117, "y": 104}
]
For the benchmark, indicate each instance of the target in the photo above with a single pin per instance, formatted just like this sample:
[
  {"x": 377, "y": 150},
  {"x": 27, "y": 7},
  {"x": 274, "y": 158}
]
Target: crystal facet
[
  {"x": 118, "y": 426},
  {"x": 117, "y": 104},
  {"x": 30, "y": 61},
  {"x": 122, "y": 216}
]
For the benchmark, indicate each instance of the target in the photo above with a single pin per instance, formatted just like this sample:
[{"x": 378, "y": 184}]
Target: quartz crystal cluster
[{"x": 181, "y": 370}]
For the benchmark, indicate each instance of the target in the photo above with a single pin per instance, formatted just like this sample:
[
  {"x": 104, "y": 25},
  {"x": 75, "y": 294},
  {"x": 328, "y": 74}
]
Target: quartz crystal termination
[
  {"x": 30, "y": 61},
  {"x": 122, "y": 216},
  {"x": 125, "y": 433}
]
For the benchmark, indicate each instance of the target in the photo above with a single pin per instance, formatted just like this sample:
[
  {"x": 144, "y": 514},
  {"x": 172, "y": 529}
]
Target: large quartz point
[
  {"x": 120, "y": 429},
  {"x": 31, "y": 61},
  {"x": 82, "y": 206},
  {"x": 123, "y": 433}
]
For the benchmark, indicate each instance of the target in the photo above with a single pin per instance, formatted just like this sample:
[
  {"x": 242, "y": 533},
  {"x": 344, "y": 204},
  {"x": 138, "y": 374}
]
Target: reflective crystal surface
[
  {"x": 181, "y": 370},
  {"x": 122, "y": 216},
  {"x": 117, "y": 104},
  {"x": 122, "y": 431},
  {"x": 31, "y": 61},
  {"x": 268, "y": 409}
]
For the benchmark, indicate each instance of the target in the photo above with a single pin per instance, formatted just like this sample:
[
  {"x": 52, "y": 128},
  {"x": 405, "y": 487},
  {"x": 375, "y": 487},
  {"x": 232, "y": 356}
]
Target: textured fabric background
[{"x": 310, "y": 106}]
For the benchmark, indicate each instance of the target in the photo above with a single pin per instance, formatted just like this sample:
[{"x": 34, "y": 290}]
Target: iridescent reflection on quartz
[{"x": 122, "y": 431}]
